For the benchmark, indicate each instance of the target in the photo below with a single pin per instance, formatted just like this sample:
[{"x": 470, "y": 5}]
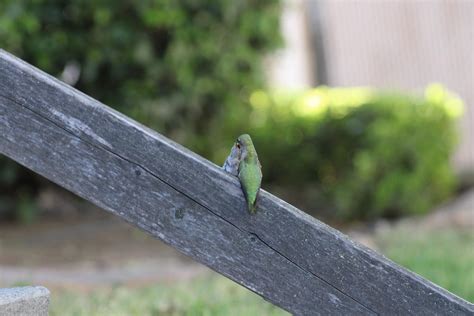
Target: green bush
[
  {"x": 367, "y": 153},
  {"x": 187, "y": 69},
  {"x": 175, "y": 65}
]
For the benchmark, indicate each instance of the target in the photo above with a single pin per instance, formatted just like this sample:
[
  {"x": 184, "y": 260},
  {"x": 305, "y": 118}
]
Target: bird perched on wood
[{"x": 243, "y": 162}]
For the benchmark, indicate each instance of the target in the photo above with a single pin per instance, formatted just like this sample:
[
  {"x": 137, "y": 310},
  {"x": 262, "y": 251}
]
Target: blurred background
[{"x": 362, "y": 113}]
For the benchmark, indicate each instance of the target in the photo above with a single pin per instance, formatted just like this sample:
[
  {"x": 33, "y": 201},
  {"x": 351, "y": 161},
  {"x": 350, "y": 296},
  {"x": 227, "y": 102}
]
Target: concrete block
[{"x": 24, "y": 301}]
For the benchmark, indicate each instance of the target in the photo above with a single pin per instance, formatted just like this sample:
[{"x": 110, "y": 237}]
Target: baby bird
[
  {"x": 243, "y": 163},
  {"x": 250, "y": 171}
]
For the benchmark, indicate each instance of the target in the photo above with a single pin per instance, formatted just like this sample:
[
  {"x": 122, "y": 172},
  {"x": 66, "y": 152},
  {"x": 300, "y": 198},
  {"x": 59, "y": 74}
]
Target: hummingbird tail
[{"x": 252, "y": 207}]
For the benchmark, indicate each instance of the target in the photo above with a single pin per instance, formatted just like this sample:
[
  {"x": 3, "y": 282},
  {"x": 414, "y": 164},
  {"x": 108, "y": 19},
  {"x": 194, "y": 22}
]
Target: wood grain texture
[{"x": 282, "y": 254}]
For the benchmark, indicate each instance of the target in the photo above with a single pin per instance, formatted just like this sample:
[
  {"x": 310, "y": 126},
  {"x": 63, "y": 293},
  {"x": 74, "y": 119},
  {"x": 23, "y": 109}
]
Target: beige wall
[
  {"x": 404, "y": 45},
  {"x": 291, "y": 66}
]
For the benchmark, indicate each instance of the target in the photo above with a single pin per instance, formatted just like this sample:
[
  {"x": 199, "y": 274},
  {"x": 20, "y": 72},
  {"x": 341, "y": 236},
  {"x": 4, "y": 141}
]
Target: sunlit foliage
[{"x": 366, "y": 153}]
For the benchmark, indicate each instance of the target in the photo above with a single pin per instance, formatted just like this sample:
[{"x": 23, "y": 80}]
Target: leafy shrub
[
  {"x": 175, "y": 65},
  {"x": 368, "y": 153}
]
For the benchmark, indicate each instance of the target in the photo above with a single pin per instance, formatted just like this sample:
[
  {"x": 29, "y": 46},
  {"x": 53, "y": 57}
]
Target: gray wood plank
[
  {"x": 284, "y": 255},
  {"x": 129, "y": 191}
]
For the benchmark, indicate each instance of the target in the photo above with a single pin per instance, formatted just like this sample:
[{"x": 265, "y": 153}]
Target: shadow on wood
[{"x": 281, "y": 253}]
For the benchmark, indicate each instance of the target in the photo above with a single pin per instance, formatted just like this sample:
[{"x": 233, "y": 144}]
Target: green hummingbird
[{"x": 250, "y": 171}]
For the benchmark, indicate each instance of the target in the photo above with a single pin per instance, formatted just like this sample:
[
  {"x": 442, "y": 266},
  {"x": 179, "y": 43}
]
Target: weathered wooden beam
[{"x": 281, "y": 253}]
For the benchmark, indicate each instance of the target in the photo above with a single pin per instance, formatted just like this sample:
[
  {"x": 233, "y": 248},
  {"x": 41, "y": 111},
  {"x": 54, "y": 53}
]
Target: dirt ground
[
  {"x": 83, "y": 247},
  {"x": 86, "y": 248}
]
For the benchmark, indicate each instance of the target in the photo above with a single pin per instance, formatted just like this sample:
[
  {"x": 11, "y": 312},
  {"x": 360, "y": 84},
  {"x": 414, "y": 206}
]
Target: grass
[
  {"x": 444, "y": 257},
  {"x": 213, "y": 295}
]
